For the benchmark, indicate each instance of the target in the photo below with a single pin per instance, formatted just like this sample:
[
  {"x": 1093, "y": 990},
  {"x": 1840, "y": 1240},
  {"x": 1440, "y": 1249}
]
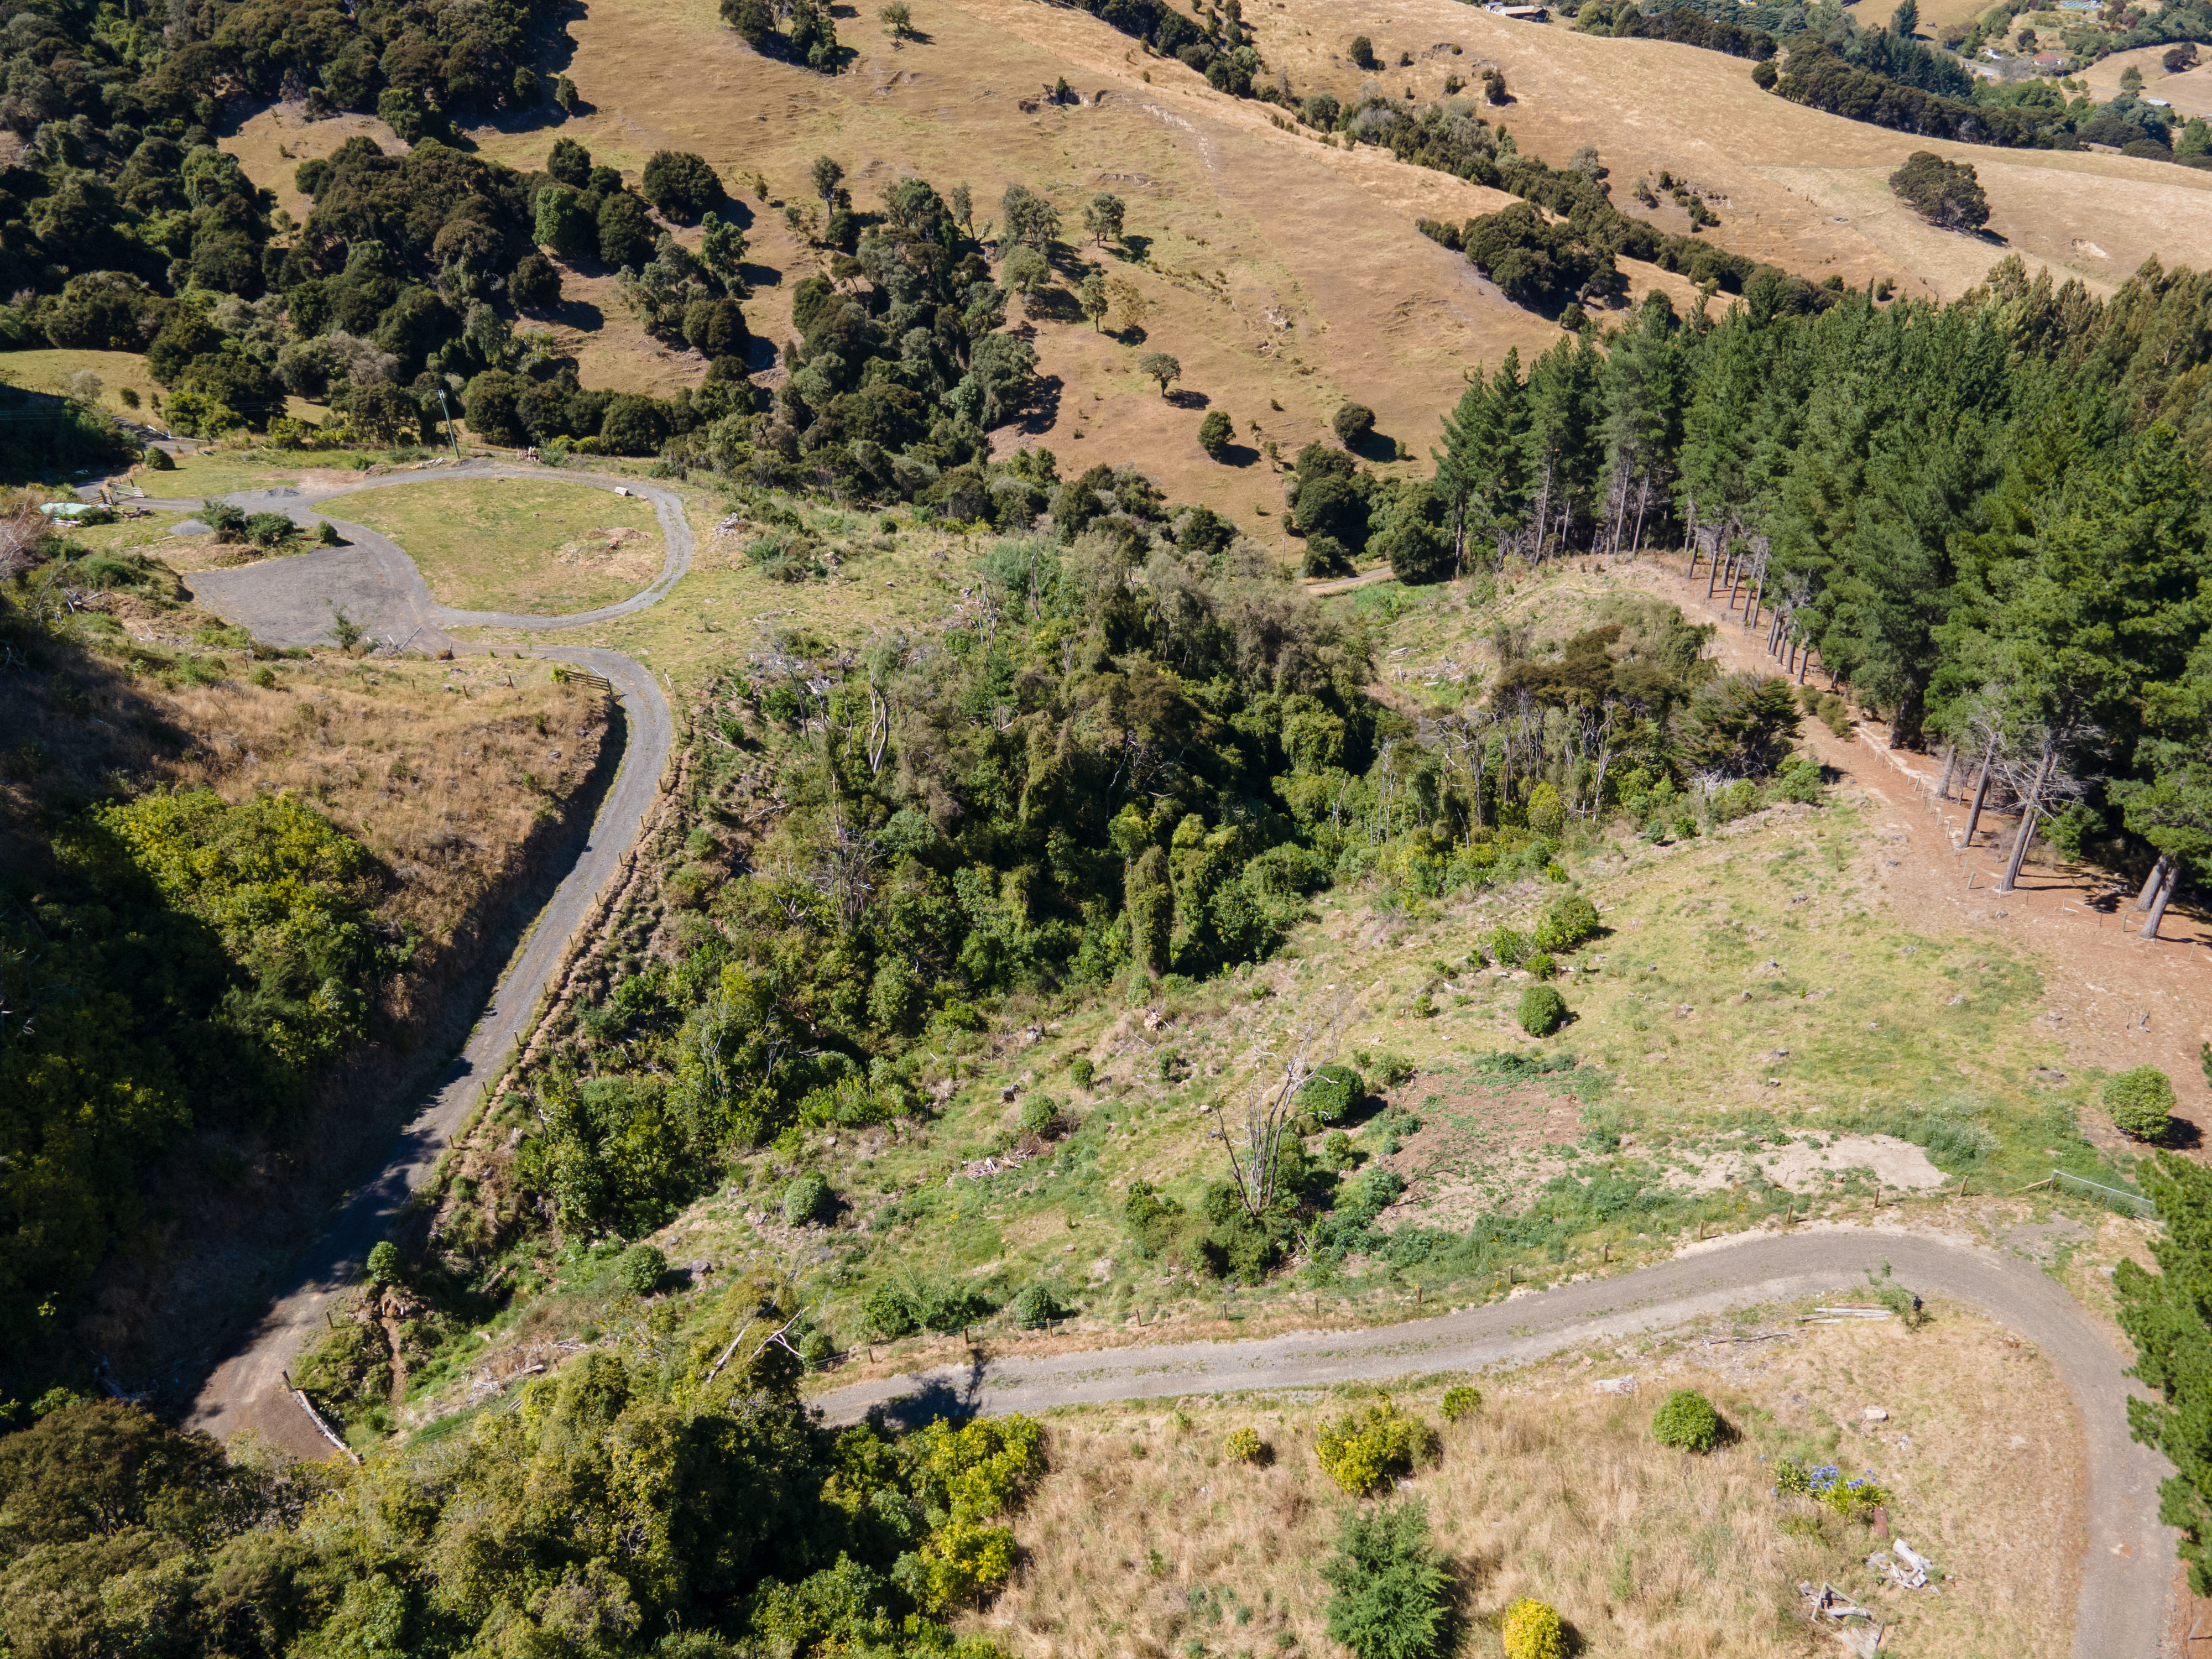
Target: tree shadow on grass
[
  {"x": 1043, "y": 411},
  {"x": 1135, "y": 249},
  {"x": 1184, "y": 398},
  {"x": 1375, "y": 446}
]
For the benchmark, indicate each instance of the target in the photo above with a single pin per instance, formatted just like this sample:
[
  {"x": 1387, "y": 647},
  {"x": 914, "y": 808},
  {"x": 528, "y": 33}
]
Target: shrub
[
  {"x": 1542, "y": 1011},
  {"x": 1214, "y": 433},
  {"x": 1246, "y": 1446},
  {"x": 327, "y": 534},
  {"x": 1039, "y": 1115},
  {"x": 1547, "y": 813},
  {"x": 890, "y": 1313},
  {"x": 1569, "y": 921},
  {"x": 2141, "y": 1102},
  {"x": 1510, "y": 949},
  {"x": 1687, "y": 1421},
  {"x": 1541, "y": 965},
  {"x": 270, "y": 529},
  {"x": 1387, "y": 1585},
  {"x": 1034, "y": 1307},
  {"x": 1080, "y": 1071},
  {"x": 1462, "y": 1401},
  {"x": 1798, "y": 780},
  {"x": 1330, "y": 1092},
  {"x": 1325, "y": 555},
  {"x": 807, "y": 1199},
  {"x": 226, "y": 520},
  {"x": 1534, "y": 1630},
  {"x": 1353, "y": 424},
  {"x": 383, "y": 1264},
  {"x": 158, "y": 460},
  {"x": 1363, "y": 1451},
  {"x": 1361, "y": 51},
  {"x": 640, "y": 1269}
]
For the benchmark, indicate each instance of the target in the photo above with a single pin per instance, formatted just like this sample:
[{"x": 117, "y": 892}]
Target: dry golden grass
[
  {"x": 51, "y": 370},
  {"x": 1146, "y": 1538},
  {"x": 1286, "y": 275},
  {"x": 538, "y": 547},
  {"x": 2190, "y": 93}
]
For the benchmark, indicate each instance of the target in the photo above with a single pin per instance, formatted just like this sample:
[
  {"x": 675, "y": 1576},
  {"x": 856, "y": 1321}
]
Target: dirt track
[
  {"x": 2126, "y": 1561},
  {"x": 289, "y": 601}
]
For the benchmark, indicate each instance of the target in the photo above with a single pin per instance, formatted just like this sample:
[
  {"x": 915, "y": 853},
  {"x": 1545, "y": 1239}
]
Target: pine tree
[
  {"x": 2168, "y": 1316},
  {"x": 1482, "y": 471}
]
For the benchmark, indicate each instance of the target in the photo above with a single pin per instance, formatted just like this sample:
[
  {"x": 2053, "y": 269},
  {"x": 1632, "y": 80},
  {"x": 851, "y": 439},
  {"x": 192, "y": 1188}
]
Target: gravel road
[
  {"x": 287, "y": 601},
  {"x": 2127, "y": 1561}
]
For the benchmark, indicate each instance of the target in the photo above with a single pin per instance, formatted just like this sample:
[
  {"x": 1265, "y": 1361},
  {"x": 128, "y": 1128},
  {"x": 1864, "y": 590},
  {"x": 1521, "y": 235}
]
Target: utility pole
[{"x": 451, "y": 434}]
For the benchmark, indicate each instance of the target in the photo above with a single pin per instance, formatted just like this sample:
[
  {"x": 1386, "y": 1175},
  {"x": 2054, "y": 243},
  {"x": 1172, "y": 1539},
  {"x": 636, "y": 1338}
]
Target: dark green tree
[
  {"x": 2168, "y": 1316},
  {"x": 1948, "y": 194},
  {"x": 1387, "y": 1583}
]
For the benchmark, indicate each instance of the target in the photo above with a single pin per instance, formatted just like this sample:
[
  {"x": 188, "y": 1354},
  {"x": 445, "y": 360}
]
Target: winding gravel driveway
[
  {"x": 2127, "y": 1563},
  {"x": 290, "y": 601}
]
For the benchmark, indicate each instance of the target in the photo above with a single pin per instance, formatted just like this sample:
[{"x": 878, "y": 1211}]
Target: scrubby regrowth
[{"x": 1687, "y": 1420}]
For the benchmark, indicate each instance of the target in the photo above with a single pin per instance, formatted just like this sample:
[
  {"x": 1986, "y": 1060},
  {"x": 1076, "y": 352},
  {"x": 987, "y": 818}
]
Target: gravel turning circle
[
  {"x": 291, "y": 601},
  {"x": 293, "y": 598},
  {"x": 2127, "y": 1563}
]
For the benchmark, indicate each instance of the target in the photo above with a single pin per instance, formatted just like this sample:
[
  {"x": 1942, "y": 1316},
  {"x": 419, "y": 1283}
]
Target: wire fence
[{"x": 2129, "y": 1203}]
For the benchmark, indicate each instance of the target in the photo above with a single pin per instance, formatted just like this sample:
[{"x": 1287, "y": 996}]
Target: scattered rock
[
  {"x": 2047, "y": 1077},
  {"x": 1614, "y": 1385},
  {"x": 1875, "y": 1414}
]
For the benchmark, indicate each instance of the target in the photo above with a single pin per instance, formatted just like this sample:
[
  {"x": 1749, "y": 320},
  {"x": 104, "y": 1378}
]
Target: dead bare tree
[
  {"x": 1271, "y": 1106},
  {"x": 845, "y": 871}
]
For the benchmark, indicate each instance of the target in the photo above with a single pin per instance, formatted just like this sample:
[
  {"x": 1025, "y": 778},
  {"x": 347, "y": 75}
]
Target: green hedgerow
[
  {"x": 1246, "y": 1446},
  {"x": 640, "y": 1268},
  {"x": 806, "y": 1199},
  {"x": 1542, "y": 1011},
  {"x": 1687, "y": 1420},
  {"x": 1462, "y": 1401},
  {"x": 2141, "y": 1102},
  {"x": 1534, "y": 1630},
  {"x": 1363, "y": 1450}
]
